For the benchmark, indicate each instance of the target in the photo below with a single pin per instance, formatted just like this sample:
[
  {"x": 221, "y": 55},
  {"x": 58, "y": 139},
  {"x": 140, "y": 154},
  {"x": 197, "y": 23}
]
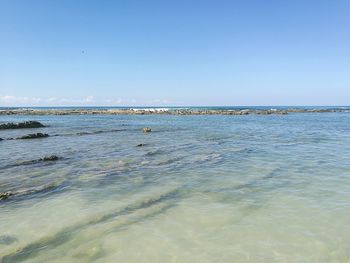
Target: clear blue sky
[{"x": 180, "y": 52}]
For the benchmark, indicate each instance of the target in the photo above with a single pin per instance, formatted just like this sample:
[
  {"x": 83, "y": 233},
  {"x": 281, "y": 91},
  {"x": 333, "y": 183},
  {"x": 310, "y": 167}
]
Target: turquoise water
[{"x": 203, "y": 188}]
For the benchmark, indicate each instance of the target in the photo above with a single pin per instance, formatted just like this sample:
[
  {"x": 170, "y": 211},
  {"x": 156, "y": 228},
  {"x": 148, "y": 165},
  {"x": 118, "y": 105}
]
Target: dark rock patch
[
  {"x": 5, "y": 195},
  {"x": 33, "y": 136},
  {"x": 141, "y": 145},
  {"x": 1, "y": 139},
  {"x": 45, "y": 159},
  {"x": 28, "y": 193},
  {"x": 21, "y": 125},
  {"x": 37, "y": 190},
  {"x": 49, "y": 158},
  {"x": 88, "y": 133}
]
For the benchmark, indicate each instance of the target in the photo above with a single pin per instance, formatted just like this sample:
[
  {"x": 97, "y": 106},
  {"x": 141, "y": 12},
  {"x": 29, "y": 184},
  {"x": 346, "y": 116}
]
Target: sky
[{"x": 179, "y": 52}]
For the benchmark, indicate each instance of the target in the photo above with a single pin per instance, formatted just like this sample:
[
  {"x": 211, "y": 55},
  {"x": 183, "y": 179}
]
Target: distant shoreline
[{"x": 167, "y": 111}]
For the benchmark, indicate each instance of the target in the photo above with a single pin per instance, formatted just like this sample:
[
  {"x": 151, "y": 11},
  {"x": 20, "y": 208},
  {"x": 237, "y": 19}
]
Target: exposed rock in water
[
  {"x": 45, "y": 159},
  {"x": 49, "y": 158},
  {"x": 21, "y": 125},
  {"x": 1, "y": 139},
  {"x": 33, "y": 136},
  {"x": 28, "y": 192},
  {"x": 141, "y": 145},
  {"x": 146, "y": 129},
  {"x": 5, "y": 195}
]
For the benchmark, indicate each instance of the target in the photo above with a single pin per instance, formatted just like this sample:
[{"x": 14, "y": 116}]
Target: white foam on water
[{"x": 151, "y": 109}]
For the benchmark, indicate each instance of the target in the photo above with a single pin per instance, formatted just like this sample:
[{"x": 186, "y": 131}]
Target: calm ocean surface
[{"x": 273, "y": 188}]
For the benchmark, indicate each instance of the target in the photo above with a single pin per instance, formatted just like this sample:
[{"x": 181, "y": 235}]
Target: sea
[{"x": 198, "y": 188}]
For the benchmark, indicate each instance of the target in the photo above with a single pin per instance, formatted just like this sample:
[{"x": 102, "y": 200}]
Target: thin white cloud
[
  {"x": 15, "y": 101},
  {"x": 9, "y": 100}
]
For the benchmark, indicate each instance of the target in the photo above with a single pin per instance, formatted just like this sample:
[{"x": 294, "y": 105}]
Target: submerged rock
[
  {"x": 146, "y": 129},
  {"x": 21, "y": 125},
  {"x": 33, "y": 136},
  {"x": 6, "y": 240},
  {"x": 1, "y": 139},
  {"x": 45, "y": 159},
  {"x": 27, "y": 193},
  {"x": 5, "y": 195},
  {"x": 141, "y": 145}
]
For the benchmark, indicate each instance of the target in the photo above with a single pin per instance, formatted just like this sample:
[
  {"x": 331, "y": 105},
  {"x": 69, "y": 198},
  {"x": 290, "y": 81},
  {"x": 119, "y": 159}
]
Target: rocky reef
[
  {"x": 27, "y": 192},
  {"x": 21, "y": 125},
  {"x": 33, "y": 136},
  {"x": 188, "y": 111},
  {"x": 46, "y": 159},
  {"x": 50, "y": 158}
]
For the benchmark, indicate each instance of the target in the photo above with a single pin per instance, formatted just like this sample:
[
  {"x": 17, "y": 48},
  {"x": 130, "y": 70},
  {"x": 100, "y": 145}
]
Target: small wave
[
  {"x": 91, "y": 132},
  {"x": 98, "y": 132},
  {"x": 155, "y": 152},
  {"x": 151, "y": 109},
  {"x": 169, "y": 161}
]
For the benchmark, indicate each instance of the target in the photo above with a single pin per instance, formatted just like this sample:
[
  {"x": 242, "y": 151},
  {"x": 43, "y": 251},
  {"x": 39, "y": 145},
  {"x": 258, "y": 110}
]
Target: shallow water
[{"x": 203, "y": 188}]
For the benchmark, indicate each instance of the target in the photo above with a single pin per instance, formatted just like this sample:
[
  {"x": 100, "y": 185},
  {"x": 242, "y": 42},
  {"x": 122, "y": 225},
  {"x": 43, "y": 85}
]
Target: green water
[{"x": 202, "y": 189}]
